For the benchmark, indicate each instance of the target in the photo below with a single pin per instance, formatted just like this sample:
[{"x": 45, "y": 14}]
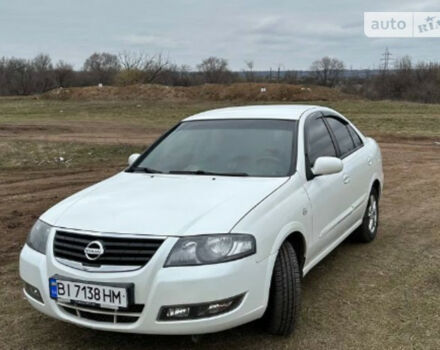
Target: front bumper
[{"x": 155, "y": 286}]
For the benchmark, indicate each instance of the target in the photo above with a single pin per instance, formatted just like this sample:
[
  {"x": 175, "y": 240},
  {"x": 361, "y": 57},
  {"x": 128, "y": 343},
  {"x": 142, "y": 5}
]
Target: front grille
[
  {"x": 97, "y": 314},
  {"x": 118, "y": 251}
]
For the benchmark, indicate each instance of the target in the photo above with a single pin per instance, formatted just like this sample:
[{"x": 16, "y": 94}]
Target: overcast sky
[{"x": 271, "y": 33}]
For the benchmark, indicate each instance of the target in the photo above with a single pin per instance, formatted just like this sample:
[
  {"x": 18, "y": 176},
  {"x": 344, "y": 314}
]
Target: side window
[
  {"x": 319, "y": 141},
  {"x": 342, "y": 135},
  {"x": 356, "y": 138}
]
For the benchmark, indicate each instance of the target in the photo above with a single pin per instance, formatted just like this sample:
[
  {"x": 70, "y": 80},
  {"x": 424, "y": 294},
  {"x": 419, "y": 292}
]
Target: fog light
[
  {"x": 177, "y": 312},
  {"x": 217, "y": 307},
  {"x": 33, "y": 292},
  {"x": 194, "y": 311}
]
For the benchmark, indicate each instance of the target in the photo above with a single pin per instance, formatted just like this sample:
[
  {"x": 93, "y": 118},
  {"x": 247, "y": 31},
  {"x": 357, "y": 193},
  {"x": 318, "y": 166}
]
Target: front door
[{"x": 326, "y": 192}]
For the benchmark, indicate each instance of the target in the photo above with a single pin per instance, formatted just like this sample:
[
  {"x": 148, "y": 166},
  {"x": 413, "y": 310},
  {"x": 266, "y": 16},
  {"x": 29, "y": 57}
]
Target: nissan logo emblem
[{"x": 94, "y": 250}]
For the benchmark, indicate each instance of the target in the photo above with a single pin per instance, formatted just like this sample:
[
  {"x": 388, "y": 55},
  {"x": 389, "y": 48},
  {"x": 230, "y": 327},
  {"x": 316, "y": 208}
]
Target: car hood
[{"x": 174, "y": 205}]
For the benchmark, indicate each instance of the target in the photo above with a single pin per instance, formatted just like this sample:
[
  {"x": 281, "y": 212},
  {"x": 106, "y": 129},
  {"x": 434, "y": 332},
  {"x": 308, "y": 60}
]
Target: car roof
[{"x": 292, "y": 112}]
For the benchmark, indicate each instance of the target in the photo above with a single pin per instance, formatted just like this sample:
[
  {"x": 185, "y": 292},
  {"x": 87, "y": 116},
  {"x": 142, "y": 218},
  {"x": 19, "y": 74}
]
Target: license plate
[{"x": 85, "y": 292}]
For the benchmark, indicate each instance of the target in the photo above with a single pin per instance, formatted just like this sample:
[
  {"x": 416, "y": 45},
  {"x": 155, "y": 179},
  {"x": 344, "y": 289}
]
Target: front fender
[
  {"x": 286, "y": 231},
  {"x": 285, "y": 211}
]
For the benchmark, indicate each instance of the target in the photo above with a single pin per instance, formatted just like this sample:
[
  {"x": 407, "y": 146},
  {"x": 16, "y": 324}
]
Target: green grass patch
[
  {"x": 37, "y": 154},
  {"x": 151, "y": 114},
  {"x": 372, "y": 117},
  {"x": 392, "y": 118}
]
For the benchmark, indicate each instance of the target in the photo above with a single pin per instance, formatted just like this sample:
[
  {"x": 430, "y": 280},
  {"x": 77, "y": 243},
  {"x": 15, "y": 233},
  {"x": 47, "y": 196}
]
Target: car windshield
[{"x": 225, "y": 147}]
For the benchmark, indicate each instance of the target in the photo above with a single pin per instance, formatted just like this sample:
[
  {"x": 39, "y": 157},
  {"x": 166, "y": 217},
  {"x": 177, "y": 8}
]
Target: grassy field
[
  {"x": 384, "y": 117},
  {"x": 379, "y": 296},
  {"x": 43, "y": 130}
]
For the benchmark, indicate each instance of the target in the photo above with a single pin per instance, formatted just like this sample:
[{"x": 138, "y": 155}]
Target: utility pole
[{"x": 386, "y": 59}]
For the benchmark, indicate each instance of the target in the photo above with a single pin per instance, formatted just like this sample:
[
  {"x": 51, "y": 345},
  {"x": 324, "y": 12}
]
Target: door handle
[
  {"x": 346, "y": 179},
  {"x": 370, "y": 161}
]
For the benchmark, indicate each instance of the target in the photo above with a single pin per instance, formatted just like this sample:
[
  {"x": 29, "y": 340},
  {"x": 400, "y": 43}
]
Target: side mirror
[
  {"x": 327, "y": 166},
  {"x": 133, "y": 158}
]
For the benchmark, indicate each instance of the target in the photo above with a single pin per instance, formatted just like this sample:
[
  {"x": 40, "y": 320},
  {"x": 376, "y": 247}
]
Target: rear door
[{"x": 356, "y": 171}]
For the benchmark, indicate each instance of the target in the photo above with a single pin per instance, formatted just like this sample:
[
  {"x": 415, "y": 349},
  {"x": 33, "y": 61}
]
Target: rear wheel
[
  {"x": 368, "y": 229},
  {"x": 285, "y": 290}
]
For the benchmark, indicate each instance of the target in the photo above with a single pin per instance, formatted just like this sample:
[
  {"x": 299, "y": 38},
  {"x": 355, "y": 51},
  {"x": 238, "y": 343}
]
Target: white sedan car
[{"x": 212, "y": 227}]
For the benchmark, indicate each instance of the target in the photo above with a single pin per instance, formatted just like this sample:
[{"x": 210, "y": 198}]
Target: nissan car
[{"x": 215, "y": 225}]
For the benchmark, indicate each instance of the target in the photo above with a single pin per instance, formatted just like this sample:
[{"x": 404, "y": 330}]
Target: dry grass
[{"x": 378, "y": 296}]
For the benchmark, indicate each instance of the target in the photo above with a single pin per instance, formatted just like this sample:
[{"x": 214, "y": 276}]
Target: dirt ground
[
  {"x": 384, "y": 295},
  {"x": 98, "y": 132},
  {"x": 211, "y": 92}
]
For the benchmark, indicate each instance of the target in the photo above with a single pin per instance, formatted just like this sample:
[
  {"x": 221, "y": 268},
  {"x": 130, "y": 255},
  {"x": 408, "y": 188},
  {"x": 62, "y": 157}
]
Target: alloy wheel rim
[{"x": 372, "y": 214}]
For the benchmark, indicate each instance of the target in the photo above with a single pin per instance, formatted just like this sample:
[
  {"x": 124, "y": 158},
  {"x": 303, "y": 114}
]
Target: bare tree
[
  {"x": 43, "y": 77},
  {"x": 132, "y": 64},
  {"x": 279, "y": 72},
  {"x": 63, "y": 72},
  {"x": 327, "y": 71},
  {"x": 154, "y": 66},
  {"x": 291, "y": 77},
  {"x": 183, "y": 76},
  {"x": 18, "y": 74},
  {"x": 399, "y": 84},
  {"x": 215, "y": 70},
  {"x": 174, "y": 75},
  {"x": 42, "y": 63},
  {"x": 403, "y": 64},
  {"x": 103, "y": 66},
  {"x": 4, "y": 83},
  {"x": 141, "y": 68},
  {"x": 249, "y": 73},
  {"x": 131, "y": 60}
]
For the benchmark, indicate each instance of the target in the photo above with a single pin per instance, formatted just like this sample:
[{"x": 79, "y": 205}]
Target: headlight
[
  {"x": 210, "y": 249},
  {"x": 37, "y": 238}
]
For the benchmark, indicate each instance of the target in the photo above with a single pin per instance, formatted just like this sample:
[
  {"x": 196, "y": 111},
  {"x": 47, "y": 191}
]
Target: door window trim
[
  {"x": 308, "y": 167},
  {"x": 335, "y": 141}
]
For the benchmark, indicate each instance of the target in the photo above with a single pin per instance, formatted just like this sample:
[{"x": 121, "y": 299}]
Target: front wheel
[
  {"x": 370, "y": 222},
  {"x": 285, "y": 290}
]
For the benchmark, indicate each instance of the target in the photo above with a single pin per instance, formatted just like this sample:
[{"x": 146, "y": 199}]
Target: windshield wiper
[
  {"x": 147, "y": 170},
  {"x": 203, "y": 172}
]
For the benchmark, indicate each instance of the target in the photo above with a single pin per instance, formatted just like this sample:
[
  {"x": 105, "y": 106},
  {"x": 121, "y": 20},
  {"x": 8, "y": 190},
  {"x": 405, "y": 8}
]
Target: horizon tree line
[{"x": 18, "y": 76}]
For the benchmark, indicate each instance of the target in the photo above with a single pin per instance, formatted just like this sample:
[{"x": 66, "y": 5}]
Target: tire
[
  {"x": 368, "y": 230},
  {"x": 285, "y": 291}
]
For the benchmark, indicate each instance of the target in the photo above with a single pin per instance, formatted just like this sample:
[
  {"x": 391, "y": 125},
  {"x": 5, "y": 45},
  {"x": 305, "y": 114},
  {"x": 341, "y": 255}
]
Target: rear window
[
  {"x": 356, "y": 138},
  {"x": 342, "y": 135}
]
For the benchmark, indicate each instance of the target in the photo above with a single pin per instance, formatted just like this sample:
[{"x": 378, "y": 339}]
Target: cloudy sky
[{"x": 271, "y": 33}]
